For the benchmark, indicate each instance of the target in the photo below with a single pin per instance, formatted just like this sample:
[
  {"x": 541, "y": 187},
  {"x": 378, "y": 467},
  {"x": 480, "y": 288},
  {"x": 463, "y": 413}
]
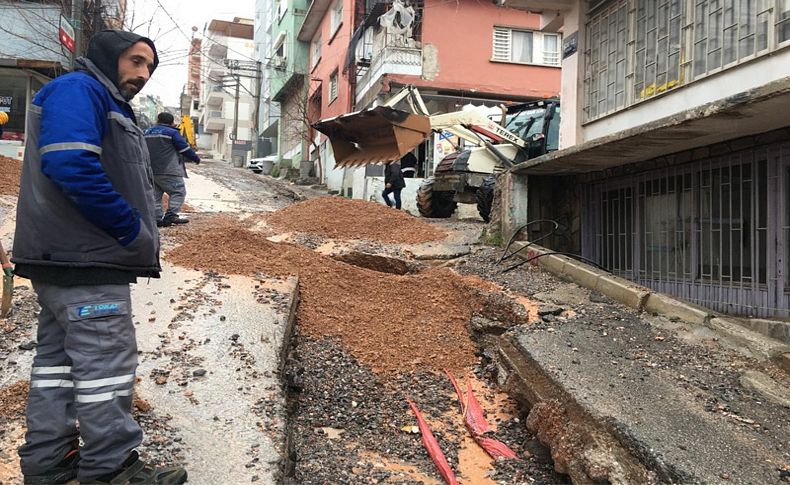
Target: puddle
[
  {"x": 405, "y": 471},
  {"x": 474, "y": 463}
]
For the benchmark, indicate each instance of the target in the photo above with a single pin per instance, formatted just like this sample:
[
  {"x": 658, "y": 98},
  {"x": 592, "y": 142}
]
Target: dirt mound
[
  {"x": 341, "y": 218},
  {"x": 10, "y": 173},
  {"x": 390, "y": 322},
  {"x": 13, "y": 399}
]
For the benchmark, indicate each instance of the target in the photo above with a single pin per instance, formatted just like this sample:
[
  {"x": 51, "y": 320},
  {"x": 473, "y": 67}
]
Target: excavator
[
  {"x": 382, "y": 134},
  {"x": 187, "y": 130}
]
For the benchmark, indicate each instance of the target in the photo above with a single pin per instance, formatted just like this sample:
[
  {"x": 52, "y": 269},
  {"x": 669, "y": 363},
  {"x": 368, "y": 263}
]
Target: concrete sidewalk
[
  {"x": 630, "y": 398},
  {"x": 211, "y": 349}
]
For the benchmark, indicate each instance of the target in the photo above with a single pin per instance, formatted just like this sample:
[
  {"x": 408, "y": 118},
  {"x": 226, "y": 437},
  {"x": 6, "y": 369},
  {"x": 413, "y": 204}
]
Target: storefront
[{"x": 17, "y": 88}]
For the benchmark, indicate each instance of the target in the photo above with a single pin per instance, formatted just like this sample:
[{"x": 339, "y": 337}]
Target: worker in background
[
  {"x": 393, "y": 183},
  {"x": 408, "y": 165},
  {"x": 85, "y": 231},
  {"x": 3, "y": 121},
  {"x": 168, "y": 150}
]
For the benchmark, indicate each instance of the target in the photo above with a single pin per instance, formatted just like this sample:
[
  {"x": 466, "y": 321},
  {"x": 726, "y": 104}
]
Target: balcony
[
  {"x": 214, "y": 121},
  {"x": 215, "y": 97},
  {"x": 390, "y": 60},
  {"x": 216, "y": 70},
  {"x": 217, "y": 48}
]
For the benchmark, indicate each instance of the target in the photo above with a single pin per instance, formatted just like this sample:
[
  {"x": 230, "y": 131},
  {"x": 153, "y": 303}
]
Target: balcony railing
[{"x": 390, "y": 60}]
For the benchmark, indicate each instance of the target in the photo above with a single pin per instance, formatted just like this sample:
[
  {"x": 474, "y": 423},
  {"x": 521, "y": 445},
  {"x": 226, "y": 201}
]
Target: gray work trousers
[
  {"x": 83, "y": 371},
  {"x": 173, "y": 186}
]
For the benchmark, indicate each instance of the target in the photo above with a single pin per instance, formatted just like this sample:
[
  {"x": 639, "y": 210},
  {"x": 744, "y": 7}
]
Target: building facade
[
  {"x": 675, "y": 167},
  {"x": 362, "y": 53},
  {"x": 268, "y": 110},
  {"x": 287, "y": 66},
  {"x": 229, "y": 89}
]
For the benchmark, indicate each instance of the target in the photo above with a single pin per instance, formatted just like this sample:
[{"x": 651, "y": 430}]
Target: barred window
[
  {"x": 658, "y": 46},
  {"x": 605, "y": 61},
  {"x": 636, "y": 49}
]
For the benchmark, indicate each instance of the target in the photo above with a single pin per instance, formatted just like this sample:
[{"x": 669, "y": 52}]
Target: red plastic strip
[
  {"x": 457, "y": 390},
  {"x": 495, "y": 448},
  {"x": 474, "y": 417},
  {"x": 432, "y": 446}
]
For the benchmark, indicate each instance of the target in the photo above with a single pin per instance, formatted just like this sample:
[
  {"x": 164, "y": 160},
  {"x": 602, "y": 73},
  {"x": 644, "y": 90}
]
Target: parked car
[{"x": 262, "y": 165}]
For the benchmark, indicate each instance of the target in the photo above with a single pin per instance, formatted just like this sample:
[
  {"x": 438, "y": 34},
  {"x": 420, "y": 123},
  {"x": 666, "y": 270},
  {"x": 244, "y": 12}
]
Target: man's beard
[{"x": 128, "y": 90}]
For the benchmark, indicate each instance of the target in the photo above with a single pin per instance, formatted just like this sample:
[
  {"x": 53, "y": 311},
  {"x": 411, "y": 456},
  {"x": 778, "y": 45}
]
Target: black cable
[{"x": 507, "y": 255}]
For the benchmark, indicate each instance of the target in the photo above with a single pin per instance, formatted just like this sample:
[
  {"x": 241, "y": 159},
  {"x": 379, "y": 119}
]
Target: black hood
[{"x": 106, "y": 47}]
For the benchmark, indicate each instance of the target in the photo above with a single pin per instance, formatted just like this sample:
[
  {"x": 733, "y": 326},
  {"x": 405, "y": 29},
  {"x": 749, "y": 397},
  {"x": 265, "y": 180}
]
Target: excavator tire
[
  {"x": 434, "y": 204},
  {"x": 485, "y": 197}
]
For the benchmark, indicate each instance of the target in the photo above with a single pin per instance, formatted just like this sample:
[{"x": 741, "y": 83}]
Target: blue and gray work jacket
[
  {"x": 167, "y": 147},
  {"x": 86, "y": 195}
]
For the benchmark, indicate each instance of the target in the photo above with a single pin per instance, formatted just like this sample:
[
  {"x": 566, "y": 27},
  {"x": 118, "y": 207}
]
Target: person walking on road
[
  {"x": 408, "y": 165},
  {"x": 85, "y": 230},
  {"x": 168, "y": 150},
  {"x": 393, "y": 184}
]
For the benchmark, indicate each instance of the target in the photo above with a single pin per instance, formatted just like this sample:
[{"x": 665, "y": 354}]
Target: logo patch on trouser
[{"x": 98, "y": 310}]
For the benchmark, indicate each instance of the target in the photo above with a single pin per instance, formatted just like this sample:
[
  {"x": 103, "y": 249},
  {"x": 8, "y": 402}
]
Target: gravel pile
[
  {"x": 341, "y": 218},
  {"x": 351, "y": 426},
  {"x": 10, "y": 172}
]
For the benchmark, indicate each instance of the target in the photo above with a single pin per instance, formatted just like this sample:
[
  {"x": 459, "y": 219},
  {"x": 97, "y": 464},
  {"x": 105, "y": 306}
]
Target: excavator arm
[{"x": 383, "y": 134}]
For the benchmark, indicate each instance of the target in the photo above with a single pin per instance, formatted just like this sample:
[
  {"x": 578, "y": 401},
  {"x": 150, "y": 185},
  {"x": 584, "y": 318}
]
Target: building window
[
  {"x": 657, "y": 53},
  {"x": 315, "y": 52},
  {"x": 282, "y": 7},
  {"x": 526, "y": 47},
  {"x": 783, "y": 21},
  {"x": 333, "y": 86},
  {"x": 551, "y": 49},
  {"x": 605, "y": 62},
  {"x": 279, "y": 52},
  {"x": 636, "y": 49},
  {"x": 337, "y": 17}
]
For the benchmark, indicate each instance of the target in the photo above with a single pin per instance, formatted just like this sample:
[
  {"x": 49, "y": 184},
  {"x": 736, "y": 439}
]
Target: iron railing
[{"x": 715, "y": 232}]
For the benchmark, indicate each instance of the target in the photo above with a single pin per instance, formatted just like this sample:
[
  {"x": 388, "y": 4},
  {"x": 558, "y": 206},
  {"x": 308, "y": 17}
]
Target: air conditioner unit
[{"x": 278, "y": 62}]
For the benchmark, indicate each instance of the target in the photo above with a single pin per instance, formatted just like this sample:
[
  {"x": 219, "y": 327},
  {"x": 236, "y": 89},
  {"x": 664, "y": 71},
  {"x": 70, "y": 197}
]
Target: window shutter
[{"x": 501, "y": 44}]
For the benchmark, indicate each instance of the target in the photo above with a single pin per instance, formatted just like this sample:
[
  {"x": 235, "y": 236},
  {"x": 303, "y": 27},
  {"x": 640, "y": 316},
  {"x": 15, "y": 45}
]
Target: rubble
[{"x": 374, "y": 442}]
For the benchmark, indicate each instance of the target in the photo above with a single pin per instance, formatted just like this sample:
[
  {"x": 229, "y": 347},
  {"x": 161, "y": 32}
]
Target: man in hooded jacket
[{"x": 86, "y": 231}]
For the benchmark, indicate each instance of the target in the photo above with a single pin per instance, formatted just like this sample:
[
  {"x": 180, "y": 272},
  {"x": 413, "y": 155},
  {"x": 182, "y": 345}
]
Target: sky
[{"x": 150, "y": 18}]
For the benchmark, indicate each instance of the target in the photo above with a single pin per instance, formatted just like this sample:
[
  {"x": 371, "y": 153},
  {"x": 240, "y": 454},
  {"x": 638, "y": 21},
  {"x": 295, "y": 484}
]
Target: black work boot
[
  {"x": 161, "y": 223},
  {"x": 62, "y": 473},
  {"x": 135, "y": 472},
  {"x": 173, "y": 218}
]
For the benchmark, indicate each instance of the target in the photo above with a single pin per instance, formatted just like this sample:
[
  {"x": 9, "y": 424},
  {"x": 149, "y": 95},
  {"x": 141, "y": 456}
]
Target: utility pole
[
  {"x": 257, "y": 98},
  {"x": 236, "y": 110},
  {"x": 76, "y": 22}
]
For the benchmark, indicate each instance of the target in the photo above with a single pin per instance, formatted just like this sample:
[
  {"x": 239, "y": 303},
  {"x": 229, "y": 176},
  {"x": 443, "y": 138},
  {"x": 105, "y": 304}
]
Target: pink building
[{"x": 456, "y": 53}]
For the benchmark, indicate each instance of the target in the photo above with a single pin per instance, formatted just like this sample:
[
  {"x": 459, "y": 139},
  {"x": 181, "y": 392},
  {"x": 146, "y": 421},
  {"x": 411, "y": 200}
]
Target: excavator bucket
[{"x": 377, "y": 135}]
